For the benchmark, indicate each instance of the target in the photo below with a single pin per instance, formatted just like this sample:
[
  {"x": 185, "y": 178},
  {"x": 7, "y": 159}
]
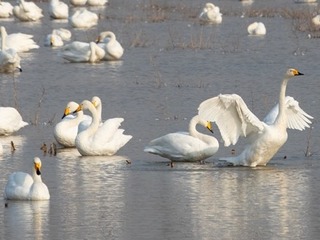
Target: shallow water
[{"x": 171, "y": 64}]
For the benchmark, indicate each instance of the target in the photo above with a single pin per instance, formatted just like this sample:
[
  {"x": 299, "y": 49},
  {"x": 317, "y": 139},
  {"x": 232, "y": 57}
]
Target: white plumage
[
  {"x": 211, "y": 14},
  {"x": 83, "y": 19},
  {"x": 27, "y": 11},
  {"x": 58, "y": 9},
  {"x": 23, "y": 186},
  {"x": 6, "y": 10},
  {"x": 107, "y": 41},
  {"x": 257, "y": 28},
  {"x": 10, "y": 121},
  {"x": 234, "y": 119}
]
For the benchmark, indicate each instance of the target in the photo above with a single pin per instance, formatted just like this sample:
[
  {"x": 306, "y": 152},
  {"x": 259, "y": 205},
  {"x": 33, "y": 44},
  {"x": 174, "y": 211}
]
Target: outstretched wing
[
  {"x": 232, "y": 116},
  {"x": 296, "y": 117}
]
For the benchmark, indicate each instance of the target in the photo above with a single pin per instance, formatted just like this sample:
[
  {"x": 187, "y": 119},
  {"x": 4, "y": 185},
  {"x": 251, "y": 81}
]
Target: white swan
[
  {"x": 234, "y": 119},
  {"x": 211, "y": 14},
  {"x": 316, "y": 20},
  {"x": 108, "y": 42},
  {"x": 257, "y": 28},
  {"x": 83, "y": 19},
  {"x": 99, "y": 140},
  {"x": 6, "y": 10},
  {"x": 185, "y": 146},
  {"x": 53, "y": 40},
  {"x": 65, "y": 34},
  {"x": 58, "y": 9},
  {"x": 10, "y": 120},
  {"x": 9, "y": 58},
  {"x": 82, "y": 52},
  {"x": 96, "y": 2},
  {"x": 23, "y": 186},
  {"x": 20, "y": 42},
  {"x": 78, "y": 2},
  {"x": 27, "y": 11},
  {"x": 65, "y": 131}
]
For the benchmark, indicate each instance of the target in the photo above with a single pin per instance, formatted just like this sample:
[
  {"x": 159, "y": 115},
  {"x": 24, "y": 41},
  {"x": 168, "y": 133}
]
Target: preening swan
[
  {"x": 83, "y": 19},
  {"x": 234, "y": 119},
  {"x": 211, "y": 14},
  {"x": 257, "y": 28},
  {"x": 20, "y": 42},
  {"x": 82, "y": 52},
  {"x": 185, "y": 146},
  {"x": 10, "y": 120},
  {"x": 108, "y": 42},
  {"x": 97, "y": 139},
  {"x": 27, "y": 11},
  {"x": 23, "y": 186},
  {"x": 6, "y": 10},
  {"x": 58, "y": 9},
  {"x": 9, "y": 58},
  {"x": 65, "y": 131}
]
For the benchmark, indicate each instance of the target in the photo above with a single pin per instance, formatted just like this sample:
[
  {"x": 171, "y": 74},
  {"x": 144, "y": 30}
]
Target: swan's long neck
[
  {"x": 95, "y": 120},
  {"x": 35, "y": 176},
  {"x": 281, "y": 118},
  {"x": 203, "y": 137}
]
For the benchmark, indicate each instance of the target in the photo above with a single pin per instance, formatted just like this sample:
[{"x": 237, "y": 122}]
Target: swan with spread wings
[{"x": 234, "y": 119}]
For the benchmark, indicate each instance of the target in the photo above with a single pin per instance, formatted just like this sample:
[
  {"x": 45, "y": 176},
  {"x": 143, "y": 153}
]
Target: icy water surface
[{"x": 171, "y": 64}]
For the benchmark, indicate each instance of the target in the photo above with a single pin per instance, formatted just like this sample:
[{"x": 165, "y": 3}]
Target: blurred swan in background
[
  {"x": 58, "y": 9},
  {"x": 10, "y": 120},
  {"x": 20, "y": 42},
  {"x": 97, "y": 139},
  {"x": 316, "y": 20},
  {"x": 65, "y": 34},
  {"x": 257, "y": 28},
  {"x": 96, "y": 2},
  {"x": 83, "y": 19},
  {"x": 211, "y": 14},
  {"x": 234, "y": 119},
  {"x": 23, "y": 186},
  {"x": 27, "y": 11},
  {"x": 9, "y": 58},
  {"x": 82, "y": 52},
  {"x": 78, "y": 2},
  {"x": 66, "y": 130},
  {"x": 6, "y": 10},
  {"x": 107, "y": 41},
  {"x": 185, "y": 146},
  {"x": 53, "y": 40}
]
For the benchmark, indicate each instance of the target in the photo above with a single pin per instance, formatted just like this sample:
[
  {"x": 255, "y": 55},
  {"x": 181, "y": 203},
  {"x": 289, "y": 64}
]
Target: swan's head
[
  {"x": 291, "y": 72},
  {"x": 70, "y": 108},
  {"x": 84, "y": 105},
  {"x": 96, "y": 101},
  {"x": 105, "y": 37},
  {"x": 209, "y": 126},
  {"x": 37, "y": 165},
  {"x": 209, "y": 6}
]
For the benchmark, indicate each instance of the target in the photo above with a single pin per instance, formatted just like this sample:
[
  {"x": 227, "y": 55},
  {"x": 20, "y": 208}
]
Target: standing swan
[
  {"x": 23, "y": 186},
  {"x": 108, "y": 42},
  {"x": 99, "y": 140},
  {"x": 9, "y": 59},
  {"x": 185, "y": 146},
  {"x": 234, "y": 119}
]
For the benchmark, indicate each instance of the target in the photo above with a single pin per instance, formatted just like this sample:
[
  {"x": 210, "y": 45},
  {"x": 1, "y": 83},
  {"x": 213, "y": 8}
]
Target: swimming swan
[
  {"x": 27, "y": 11},
  {"x": 83, "y": 19},
  {"x": 257, "y": 28},
  {"x": 23, "y": 186},
  {"x": 6, "y": 10},
  {"x": 82, "y": 52},
  {"x": 99, "y": 140},
  {"x": 9, "y": 58},
  {"x": 234, "y": 119},
  {"x": 58, "y": 9},
  {"x": 211, "y": 14},
  {"x": 20, "y": 42},
  {"x": 65, "y": 34},
  {"x": 108, "y": 42},
  {"x": 53, "y": 40},
  {"x": 65, "y": 131},
  {"x": 185, "y": 146}
]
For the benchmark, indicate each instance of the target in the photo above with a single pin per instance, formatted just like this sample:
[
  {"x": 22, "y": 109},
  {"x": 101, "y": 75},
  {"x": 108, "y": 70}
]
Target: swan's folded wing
[
  {"x": 106, "y": 132},
  {"x": 297, "y": 118},
  {"x": 232, "y": 116}
]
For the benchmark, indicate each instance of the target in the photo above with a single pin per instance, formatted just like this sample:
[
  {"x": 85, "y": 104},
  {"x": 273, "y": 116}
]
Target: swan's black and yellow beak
[
  {"x": 66, "y": 112},
  {"x": 209, "y": 126},
  {"x": 78, "y": 109},
  {"x": 297, "y": 73},
  {"x": 37, "y": 166}
]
